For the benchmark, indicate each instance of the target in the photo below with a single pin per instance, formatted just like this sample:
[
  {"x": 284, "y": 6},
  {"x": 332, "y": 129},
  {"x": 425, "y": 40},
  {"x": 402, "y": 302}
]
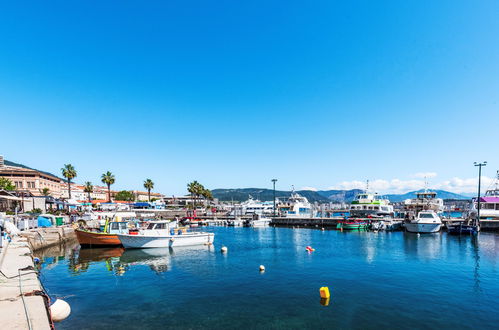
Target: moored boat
[
  {"x": 164, "y": 234},
  {"x": 352, "y": 224},
  {"x": 108, "y": 237},
  {"x": 426, "y": 222}
]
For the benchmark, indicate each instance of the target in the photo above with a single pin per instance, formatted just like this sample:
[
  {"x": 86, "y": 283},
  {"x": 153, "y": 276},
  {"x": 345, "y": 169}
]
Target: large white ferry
[
  {"x": 368, "y": 204},
  {"x": 295, "y": 206},
  {"x": 254, "y": 206}
]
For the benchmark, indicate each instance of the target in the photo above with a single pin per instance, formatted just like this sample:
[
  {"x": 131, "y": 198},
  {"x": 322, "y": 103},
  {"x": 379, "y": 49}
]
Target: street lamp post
[
  {"x": 479, "y": 183},
  {"x": 274, "y": 181}
]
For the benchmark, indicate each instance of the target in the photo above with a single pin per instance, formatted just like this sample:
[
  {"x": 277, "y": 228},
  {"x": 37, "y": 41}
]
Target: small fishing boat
[
  {"x": 352, "y": 224},
  {"x": 164, "y": 234},
  {"x": 462, "y": 229},
  {"x": 108, "y": 237}
]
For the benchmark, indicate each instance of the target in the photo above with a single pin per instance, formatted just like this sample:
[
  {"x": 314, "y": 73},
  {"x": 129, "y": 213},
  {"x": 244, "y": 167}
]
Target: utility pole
[
  {"x": 274, "y": 181},
  {"x": 479, "y": 183}
]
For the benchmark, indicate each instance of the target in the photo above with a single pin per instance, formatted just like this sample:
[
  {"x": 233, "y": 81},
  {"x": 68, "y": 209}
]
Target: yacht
[
  {"x": 254, "y": 206},
  {"x": 164, "y": 234},
  {"x": 426, "y": 222},
  {"x": 295, "y": 206}
]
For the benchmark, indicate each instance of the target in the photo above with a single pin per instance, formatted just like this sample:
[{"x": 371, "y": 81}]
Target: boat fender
[
  {"x": 59, "y": 310},
  {"x": 262, "y": 268},
  {"x": 223, "y": 249},
  {"x": 324, "y": 291}
]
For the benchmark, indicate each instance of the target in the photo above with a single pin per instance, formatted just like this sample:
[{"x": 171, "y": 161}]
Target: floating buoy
[
  {"x": 59, "y": 310},
  {"x": 262, "y": 268},
  {"x": 322, "y": 228},
  {"x": 324, "y": 292},
  {"x": 223, "y": 249},
  {"x": 309, "y": 249}
]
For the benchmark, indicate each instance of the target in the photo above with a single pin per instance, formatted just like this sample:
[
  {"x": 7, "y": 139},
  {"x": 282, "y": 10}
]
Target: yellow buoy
[{"x": 324, "y": 292}]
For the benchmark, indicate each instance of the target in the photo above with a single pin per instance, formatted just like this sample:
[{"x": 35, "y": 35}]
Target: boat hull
[
  {"x": 145, "y": 242},
  {"x": 89, "y": 239},
  {"x": 462, "y": 229},
  {"x": 423, "y": 227}
]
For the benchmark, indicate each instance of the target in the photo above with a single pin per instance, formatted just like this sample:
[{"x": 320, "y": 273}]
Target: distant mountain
[
  {"x": 242, "y": 194},
  {"x": 440, "y": 194},
  {"x": 339, "y": 195},
  {"x": 10, "y": 163}
]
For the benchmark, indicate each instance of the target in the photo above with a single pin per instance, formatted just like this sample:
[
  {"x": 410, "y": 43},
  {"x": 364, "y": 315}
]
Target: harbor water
[{"x": 377, "y": 280}]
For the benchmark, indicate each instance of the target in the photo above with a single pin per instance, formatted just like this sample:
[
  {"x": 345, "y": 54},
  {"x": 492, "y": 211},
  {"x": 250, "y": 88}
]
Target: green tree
[
  {"x": 45, "y": 192},
  {"x": 124, "y": 195},
  {"x": 88, "y": 188},
  {"x": 207, "y": 194},
  {"x": 148, "y": 184},
  {"x": 108, "y": 179},
  {"x": 6, "y": 184},
  {"x": 196, "y": 190},
  {"x": 69, "y": 172}
]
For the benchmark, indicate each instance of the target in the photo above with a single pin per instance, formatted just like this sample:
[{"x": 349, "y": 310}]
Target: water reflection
[
  {"x": 116, "y": 260},
  {"x": 423, "y": 246}
]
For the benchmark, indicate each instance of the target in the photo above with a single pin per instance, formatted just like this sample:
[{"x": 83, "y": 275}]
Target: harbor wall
[
  {"x": 23, "y": 303},
  {"x": 44, "y": 237}
]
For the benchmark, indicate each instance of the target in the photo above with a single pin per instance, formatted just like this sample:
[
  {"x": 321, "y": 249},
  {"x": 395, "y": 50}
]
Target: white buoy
[
  {"x": 322, "y": 228},
  {"x": 59, "y": 310},
  {"x": 262, "y": 268},
  {"x": 223, "y": 249}
]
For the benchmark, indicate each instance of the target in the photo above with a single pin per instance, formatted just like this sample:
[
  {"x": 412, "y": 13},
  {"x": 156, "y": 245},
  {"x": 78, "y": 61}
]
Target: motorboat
[
  {"x": 164, "y": 234},
  {"x": 261, "y": 222},
  {"x": 426, "y": 222}
]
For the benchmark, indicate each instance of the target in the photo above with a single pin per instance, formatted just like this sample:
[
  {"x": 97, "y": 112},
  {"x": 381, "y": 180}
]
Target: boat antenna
[
  {"x": 497, "y": 180},
  {"x": 367, "y": 186}
]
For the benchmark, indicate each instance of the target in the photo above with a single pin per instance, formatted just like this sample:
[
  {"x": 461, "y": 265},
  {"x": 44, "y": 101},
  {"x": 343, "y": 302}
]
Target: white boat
[
  {"x": 295, "y": 206},
  {"x": 254, "y": 206},
  {"x": 426, "y": 222},
  {"x": 261, "y": 222},
  {"x": 425, "y": 200},
  {"x": 164, "y": 234}
]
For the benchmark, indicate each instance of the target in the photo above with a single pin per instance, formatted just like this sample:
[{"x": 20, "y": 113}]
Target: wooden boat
[
  {"x": 108, "y": 237},
  {"x": 90, "y": 238}
]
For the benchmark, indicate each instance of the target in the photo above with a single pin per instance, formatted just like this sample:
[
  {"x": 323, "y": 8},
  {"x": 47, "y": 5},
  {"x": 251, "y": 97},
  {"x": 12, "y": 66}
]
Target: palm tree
[
  {"x": 69, "y": 172},
  {"x": 193, "y": 189},
  {"x": 148, "y": 184},
  {"x": 89, "y": 188},
  {"x": 108, "y": 179}
]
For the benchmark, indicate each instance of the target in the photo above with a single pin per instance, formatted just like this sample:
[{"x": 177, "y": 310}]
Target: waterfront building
[
  {"x": 142, "y": 196},
  {"x": 30, "y": 180},
  {"x": 78, "y": 192}
]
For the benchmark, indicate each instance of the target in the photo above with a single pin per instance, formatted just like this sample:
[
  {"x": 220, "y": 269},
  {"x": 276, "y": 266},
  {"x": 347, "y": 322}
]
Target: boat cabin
[{"x": 118, "y": 227}]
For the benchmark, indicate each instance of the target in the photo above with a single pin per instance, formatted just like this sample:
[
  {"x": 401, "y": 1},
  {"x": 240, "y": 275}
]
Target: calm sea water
[{"x": 377, "y": 280}]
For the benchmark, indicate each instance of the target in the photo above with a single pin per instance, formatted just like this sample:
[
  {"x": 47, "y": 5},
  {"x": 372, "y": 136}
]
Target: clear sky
[{"x": 234, "y": 93}]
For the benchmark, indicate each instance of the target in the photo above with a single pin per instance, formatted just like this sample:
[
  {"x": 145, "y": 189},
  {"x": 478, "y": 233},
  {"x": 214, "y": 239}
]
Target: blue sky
[{"x": 316, "y": 94}]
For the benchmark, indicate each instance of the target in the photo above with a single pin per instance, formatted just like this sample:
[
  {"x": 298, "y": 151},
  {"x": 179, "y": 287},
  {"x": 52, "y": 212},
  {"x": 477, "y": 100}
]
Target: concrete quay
[
  {"x": 44, "y": 237},
  {"x": 22, "y": 303}
]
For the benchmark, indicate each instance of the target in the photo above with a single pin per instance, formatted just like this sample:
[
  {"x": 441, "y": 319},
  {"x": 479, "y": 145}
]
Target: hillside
[{"x": 242, "y": 194}]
